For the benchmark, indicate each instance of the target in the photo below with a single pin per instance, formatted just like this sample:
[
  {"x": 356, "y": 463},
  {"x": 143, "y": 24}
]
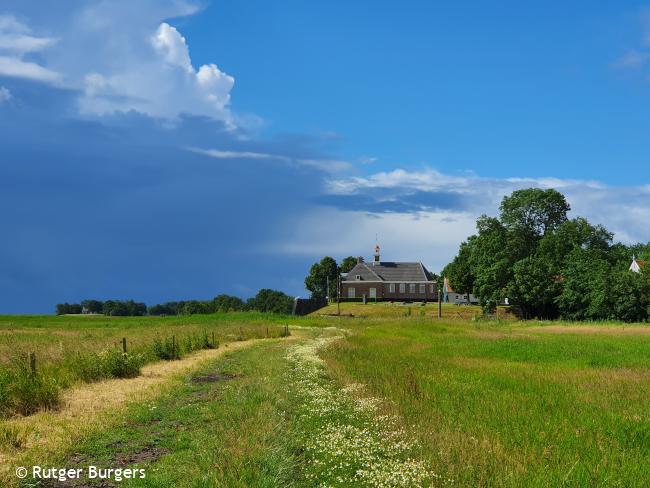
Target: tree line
[
  {"x": 266, "y": 300},
  {"x": 549, "y": 266}
]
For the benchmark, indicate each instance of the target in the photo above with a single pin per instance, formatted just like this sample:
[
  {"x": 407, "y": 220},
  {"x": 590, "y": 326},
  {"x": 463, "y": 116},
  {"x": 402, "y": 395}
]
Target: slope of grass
[
  {"x": 407, "y": 310},
  {"x": 512, "y": 405}
]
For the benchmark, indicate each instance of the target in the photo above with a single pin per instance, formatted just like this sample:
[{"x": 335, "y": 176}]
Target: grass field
[{"x": 383, "y": 398}]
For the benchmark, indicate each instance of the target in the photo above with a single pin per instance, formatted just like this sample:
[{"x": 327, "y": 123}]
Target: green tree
[
  {"x": 491, "y": 262},
  {"x": 272, "y": 301},
  {"x": 227, "y": 303},
  {"x": 534, "y": 287},
  {"x": 326, "y": 270},
  {"x": 534, "y": 211},
  {"x": 630, "y": 296},
  {"x": 585, "y": 286},
  {"x": 347, "y": 264},
  {"x": 460, "y": 272}
]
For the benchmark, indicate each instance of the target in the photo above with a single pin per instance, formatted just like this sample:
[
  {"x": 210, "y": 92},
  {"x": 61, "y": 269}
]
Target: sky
[{"x": 177, "y": 149}]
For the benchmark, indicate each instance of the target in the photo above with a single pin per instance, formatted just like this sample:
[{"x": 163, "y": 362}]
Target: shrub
[
  {"x": 88, "y": 367},
  {"x": 166, "y": 349},
  {"x": 120, "y": 364},
  {"x": 26, "y": 392},
  {"x": 206, "y": 343}
]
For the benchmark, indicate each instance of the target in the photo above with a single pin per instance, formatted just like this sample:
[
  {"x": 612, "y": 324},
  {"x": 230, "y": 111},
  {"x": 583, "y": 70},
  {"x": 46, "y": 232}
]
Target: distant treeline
[{"x": 266, "y": 300}]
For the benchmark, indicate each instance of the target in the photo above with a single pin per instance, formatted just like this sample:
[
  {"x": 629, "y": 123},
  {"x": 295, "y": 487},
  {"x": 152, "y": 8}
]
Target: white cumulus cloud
[{"x": 120, "y": 56}]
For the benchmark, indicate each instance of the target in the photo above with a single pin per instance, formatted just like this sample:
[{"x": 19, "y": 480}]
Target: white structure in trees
[{"x": 635, "y": 267}]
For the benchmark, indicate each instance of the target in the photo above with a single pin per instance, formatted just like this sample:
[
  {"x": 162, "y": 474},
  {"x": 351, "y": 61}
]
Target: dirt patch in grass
[
  {"x": 213, "y": 378},
  {"x": 148, "y": 454}
]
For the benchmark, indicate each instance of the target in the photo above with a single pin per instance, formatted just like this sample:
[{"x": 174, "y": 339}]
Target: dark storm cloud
[{"x": 118, "y": 207}]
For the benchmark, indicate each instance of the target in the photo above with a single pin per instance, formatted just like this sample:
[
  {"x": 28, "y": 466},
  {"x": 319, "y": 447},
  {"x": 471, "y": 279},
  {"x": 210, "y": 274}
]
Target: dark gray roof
[{"x": 387, "y": 271}]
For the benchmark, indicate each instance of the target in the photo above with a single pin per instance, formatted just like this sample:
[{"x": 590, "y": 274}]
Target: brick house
[{"x": 389, "y": 281}]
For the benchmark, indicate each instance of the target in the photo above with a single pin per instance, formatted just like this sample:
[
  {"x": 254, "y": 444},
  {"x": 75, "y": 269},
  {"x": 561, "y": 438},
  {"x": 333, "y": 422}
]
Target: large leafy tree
[
  {"x": 534, "y": 211},
  {"x": 273, "y": 301},
  {"x": 585, "y": 286},
  {"x": 320, "y": 274},
  {"x": 534, "y": 287},
  {"x": 630, "y": 296},
  {"x": 459, "y": 271},
  {"x": 347, "y": 264},
  {"x": 491, "y": 263}
]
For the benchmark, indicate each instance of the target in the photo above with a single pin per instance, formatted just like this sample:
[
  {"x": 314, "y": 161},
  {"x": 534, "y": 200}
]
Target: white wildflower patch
[{"x": 346, "y": 441}]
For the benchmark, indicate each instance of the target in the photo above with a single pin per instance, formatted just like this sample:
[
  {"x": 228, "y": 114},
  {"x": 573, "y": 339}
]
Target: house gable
[{"x": 362, "y": 270}]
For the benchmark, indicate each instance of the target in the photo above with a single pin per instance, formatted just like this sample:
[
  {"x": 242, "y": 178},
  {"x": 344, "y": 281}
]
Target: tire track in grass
[{"x": 346, "y": 441}]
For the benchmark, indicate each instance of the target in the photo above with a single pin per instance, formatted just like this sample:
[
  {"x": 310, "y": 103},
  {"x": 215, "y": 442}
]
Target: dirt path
[{"x": 88, "y": 407}]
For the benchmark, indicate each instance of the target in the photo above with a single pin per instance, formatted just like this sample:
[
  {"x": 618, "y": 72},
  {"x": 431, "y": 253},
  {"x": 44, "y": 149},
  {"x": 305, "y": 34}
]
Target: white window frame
[
  {"x": 431, "y": 289},
  {"x": 423, "y": 288},
  {"x": 402, "y": 288},
  {"x": 372, "y": 293},
  {"x": 412, "y": 288},
  {"x": 352, "y": 292},
  {"x": 391, "y": 287},
  {"x": 358, "y": 277}
]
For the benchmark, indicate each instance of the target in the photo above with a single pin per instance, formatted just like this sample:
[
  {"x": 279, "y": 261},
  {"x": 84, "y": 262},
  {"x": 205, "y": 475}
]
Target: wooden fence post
[
  {"x": 32, "y": 363},
  {"x": 124, "y": 345},
  {"x": 173, "y": 347}
]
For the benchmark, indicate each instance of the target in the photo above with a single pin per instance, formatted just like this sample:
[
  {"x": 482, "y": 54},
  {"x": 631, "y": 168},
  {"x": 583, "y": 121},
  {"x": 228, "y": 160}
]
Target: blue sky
[{"x": 175, "y": 149}]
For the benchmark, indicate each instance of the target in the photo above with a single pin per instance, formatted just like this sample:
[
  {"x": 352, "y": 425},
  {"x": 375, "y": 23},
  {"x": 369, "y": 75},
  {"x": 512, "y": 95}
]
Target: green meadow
[{"x": 387, "y": 395}]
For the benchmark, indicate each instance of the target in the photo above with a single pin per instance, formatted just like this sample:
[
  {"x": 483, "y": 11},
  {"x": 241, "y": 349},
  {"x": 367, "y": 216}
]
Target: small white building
[{"x": 450, "y": 296}]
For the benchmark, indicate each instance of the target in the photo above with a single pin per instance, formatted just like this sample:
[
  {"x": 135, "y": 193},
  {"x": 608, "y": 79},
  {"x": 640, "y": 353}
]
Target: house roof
[{"x": 389, "y": 271}]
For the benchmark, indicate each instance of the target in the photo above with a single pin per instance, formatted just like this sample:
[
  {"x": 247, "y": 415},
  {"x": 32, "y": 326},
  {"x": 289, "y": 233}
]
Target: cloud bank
[{"x": 119, "y": 56}]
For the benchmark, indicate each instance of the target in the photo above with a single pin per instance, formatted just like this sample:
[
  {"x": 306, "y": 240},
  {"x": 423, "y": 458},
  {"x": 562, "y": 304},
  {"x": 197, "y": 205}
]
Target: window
[
  {"x": 402, "y": 287},
  {"x": 351, "y": 292},
  {"x": 373, "y": 292},
  {"x": 423, "y": 289},
  {"x": 358, "y": 277},
  {"x": 431, "y": 289},
  {"x": 391, "y": 288},
  {"x": 411, "y": 287}
]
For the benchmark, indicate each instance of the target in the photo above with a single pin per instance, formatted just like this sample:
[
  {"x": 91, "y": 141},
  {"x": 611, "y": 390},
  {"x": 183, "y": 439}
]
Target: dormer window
[{"x": 358, "y": 277}]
